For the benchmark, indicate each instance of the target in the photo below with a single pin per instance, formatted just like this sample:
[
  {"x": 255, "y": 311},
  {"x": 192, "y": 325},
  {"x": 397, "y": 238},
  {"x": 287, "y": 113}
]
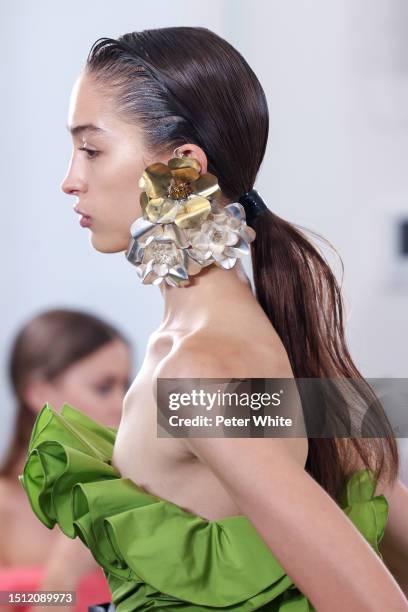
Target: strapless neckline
[{"x": 154, "y": 553}]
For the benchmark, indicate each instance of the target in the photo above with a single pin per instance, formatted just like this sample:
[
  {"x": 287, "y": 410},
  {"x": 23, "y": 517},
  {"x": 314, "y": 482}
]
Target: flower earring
[{"x": 182, "y": 228}]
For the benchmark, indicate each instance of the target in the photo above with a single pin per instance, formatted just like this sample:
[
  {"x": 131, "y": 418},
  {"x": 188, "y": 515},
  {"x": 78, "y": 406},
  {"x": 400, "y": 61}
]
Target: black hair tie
[{"x": 253, "y": 205}]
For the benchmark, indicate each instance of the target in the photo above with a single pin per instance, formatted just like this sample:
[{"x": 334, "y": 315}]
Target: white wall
[
  {"x": 45, "y": 255},
  {"x": 336, "y": 80}
]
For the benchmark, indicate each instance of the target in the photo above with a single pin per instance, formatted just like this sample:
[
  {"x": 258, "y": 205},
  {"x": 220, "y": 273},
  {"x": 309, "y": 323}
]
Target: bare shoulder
[{"x": 212, "y": 355}]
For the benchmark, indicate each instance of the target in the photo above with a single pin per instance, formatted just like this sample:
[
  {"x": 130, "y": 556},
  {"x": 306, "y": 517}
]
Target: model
[
  {"x": 169, "y": 129},
  {"x": 58, "y": 355}
]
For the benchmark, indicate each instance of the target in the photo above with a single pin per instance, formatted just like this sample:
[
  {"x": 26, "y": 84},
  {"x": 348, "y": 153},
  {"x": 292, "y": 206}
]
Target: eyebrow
[{"x": 86, "y": 127}]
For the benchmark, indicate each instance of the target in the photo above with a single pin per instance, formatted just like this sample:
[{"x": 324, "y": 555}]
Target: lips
[
  {"x": 81, "y": 212},
  {"x": 85, "y": 220}
]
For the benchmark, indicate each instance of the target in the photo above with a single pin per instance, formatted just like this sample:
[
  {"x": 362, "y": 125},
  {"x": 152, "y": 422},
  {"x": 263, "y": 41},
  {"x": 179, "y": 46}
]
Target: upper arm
[
  {"x": 311, "y": 537},
  {"x": 314, "y": 541},
  {"x": 394, "y": 545},
  {"x": 226, "y": 362}
]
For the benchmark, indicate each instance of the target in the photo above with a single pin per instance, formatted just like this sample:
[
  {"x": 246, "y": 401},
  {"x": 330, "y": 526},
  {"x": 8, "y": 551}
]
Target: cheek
[
  {"x": 102, "y": 408},
  {"x": 114, "y": 197},
  {"x": 74, "y": 391},
  {"x": 85, "y": 397},
  {"x": 119, "y": 201}
]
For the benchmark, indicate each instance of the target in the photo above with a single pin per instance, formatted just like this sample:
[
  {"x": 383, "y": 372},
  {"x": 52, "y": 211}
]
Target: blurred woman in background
[{"x": 59, "y": 356}]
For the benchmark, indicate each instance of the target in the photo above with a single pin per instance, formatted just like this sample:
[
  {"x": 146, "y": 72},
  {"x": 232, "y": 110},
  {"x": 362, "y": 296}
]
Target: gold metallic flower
[{"x": 177, "y": 193}]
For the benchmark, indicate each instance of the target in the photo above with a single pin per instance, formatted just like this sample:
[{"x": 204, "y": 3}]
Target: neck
[{"x": 207, "y": 298}]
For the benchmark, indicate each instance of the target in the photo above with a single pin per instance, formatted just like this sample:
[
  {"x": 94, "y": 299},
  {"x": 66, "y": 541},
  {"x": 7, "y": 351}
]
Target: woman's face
[
  {"x": 95, "y": 384},
  {"x": 105, "y": 178}
]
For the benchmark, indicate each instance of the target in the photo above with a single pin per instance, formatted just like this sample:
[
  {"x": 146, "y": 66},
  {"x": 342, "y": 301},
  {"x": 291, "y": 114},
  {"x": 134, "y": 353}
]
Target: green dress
[{"x": 155, "y": 555}]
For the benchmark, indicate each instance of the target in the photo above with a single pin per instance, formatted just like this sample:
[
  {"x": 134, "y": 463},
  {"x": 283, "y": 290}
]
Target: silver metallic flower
[
  {"x": 159, "y": 253},
  {"x": 222, "y": 238}
]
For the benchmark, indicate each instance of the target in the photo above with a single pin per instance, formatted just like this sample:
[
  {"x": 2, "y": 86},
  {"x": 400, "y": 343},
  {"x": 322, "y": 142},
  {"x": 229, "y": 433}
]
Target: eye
[
  {"x": 90, "y": 152},
  {"x": 104, "y": 388}
]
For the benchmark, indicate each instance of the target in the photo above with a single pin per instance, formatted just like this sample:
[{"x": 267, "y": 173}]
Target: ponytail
[{"x": 299, "y": 293}]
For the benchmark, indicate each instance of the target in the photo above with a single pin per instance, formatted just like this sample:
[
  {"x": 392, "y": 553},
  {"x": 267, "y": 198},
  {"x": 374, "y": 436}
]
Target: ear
[
  {"x": 192, "y": 150},
  {"x": 38, "y": 392}
]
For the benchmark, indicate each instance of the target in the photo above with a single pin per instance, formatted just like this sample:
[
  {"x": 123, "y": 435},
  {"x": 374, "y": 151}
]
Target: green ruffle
[{"x": 155, "y": 554}]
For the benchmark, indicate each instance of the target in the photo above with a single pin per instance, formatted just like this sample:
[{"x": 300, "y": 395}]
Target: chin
[{"x": 108, "y": 244}]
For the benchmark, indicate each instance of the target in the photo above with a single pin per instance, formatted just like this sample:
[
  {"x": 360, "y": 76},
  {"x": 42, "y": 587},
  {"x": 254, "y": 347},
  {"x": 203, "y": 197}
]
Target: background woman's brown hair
[
  {"x": 45, "y": 347},
  {"x": 189, "y": 85}
]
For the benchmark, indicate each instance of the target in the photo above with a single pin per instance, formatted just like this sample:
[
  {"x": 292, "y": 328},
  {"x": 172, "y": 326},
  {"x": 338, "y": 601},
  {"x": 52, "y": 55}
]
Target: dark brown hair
[
  {"x": 46, "y": 346},
  {"x": 189, "y": 85}
]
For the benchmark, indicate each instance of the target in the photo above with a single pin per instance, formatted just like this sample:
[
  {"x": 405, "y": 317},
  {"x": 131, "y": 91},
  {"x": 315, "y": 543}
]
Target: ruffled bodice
[{"x": 156, "y": 555}]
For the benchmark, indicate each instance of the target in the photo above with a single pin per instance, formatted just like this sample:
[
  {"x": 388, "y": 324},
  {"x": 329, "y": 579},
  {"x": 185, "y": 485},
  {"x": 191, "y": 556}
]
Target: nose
[
  {"x": 117, "y": 400},
  {"x": 72, "y": 182}
]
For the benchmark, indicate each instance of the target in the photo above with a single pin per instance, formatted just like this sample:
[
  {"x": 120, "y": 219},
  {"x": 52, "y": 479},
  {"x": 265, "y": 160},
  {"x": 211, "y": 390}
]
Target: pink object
[
  {"x": 85, "y": 221},
  {"x": 92, "y": 588}
]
